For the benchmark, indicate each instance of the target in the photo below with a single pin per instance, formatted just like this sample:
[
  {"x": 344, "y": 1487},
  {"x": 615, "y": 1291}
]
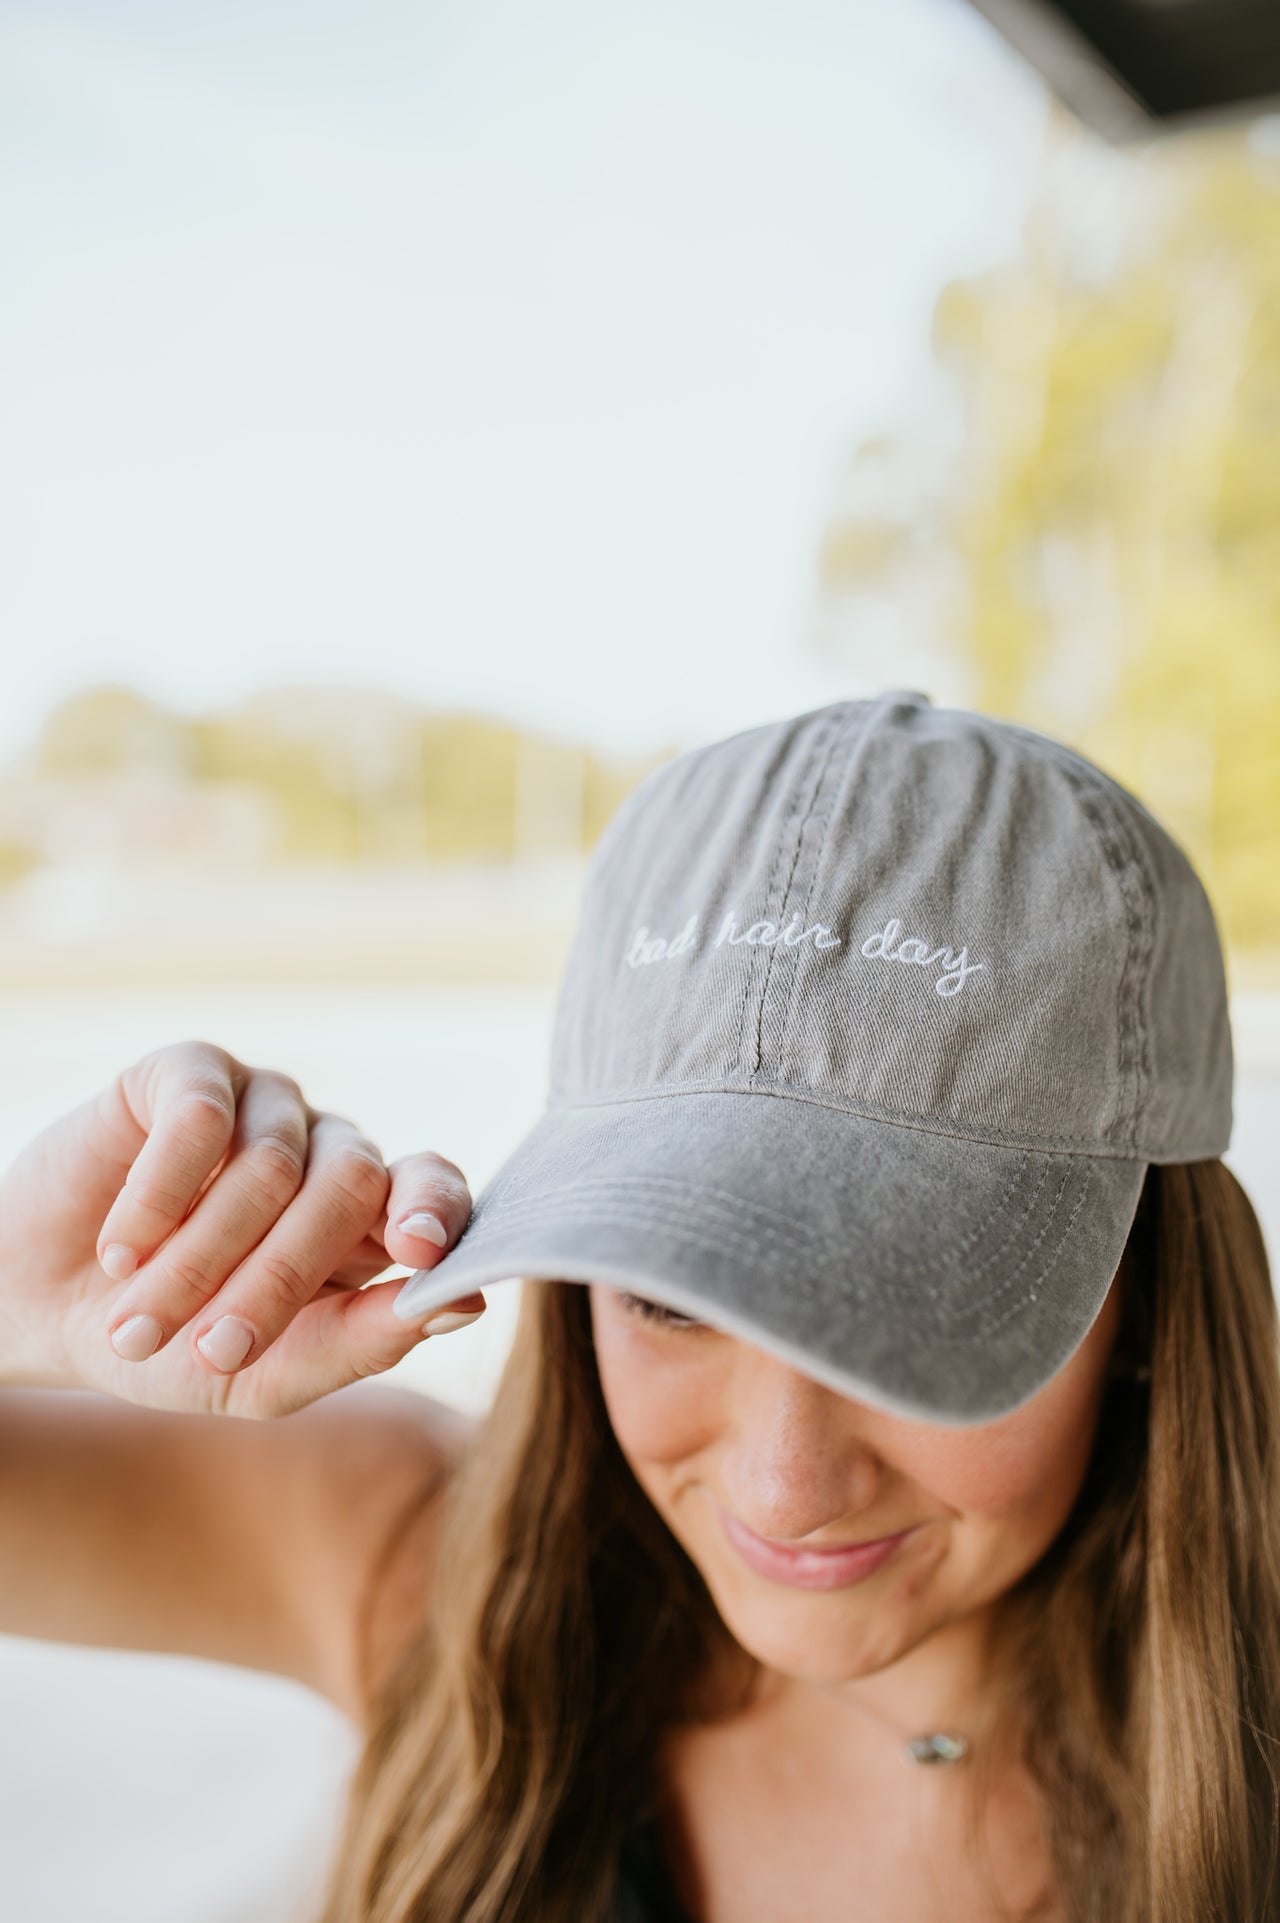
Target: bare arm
[
  {"x": 160, "y": 1492},
  {"x": 246, "y": 1542}
]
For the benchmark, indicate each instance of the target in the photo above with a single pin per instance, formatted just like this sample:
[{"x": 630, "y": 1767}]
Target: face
[{"x": 715, "y": 1428}]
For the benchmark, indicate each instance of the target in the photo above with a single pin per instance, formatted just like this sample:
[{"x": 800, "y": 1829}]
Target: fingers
[
  {"x": 427, "y": 1209},
  {"x": 344, "y": 1191},
  {"x": 182, "y": 1101},
  {"x": 264, "y": 1167},
  {"x": 245, "y": 1209},
  {"x": 427, "y": 1190},
  {"x": 342, "y": 1333},
  {"x": 341, "y": 1336}
]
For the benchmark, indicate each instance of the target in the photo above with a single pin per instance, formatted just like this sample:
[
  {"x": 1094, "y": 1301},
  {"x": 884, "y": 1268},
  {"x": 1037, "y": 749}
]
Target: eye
[{"x": 646, "y": 1311}]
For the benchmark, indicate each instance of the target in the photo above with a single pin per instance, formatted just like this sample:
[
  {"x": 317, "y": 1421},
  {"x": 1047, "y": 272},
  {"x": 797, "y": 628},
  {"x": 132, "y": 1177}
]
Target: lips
[{"x": 803, "y": 1568}]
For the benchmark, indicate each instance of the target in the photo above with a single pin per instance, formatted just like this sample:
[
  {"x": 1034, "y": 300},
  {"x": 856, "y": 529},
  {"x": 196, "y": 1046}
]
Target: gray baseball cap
[{"x": 873, "y": 1019}]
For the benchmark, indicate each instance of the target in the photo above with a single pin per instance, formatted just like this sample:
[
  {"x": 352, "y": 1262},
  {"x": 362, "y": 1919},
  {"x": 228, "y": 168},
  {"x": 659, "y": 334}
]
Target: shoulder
[{"x": 368, "y": 1468}]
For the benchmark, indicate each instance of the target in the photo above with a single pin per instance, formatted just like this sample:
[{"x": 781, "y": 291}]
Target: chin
[{"x": 801, "y": 1640}]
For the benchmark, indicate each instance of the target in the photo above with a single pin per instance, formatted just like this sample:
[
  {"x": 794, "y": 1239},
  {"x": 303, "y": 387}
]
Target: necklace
[
  {"x": 929, "y": 1747},
  {"x": 939, "y": 1746}
]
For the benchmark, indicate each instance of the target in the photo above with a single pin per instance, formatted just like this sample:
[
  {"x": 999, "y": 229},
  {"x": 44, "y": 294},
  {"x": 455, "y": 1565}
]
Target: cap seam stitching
[
  {"x": 796, "y": 819},
  {"x": 1001, "y": 1138},
  {"x": 1126, "y": 1119},
  {"x": 1090, "y": 805},
  {"x": 813, "y": 814},
  {"x": 1142, "y": 961},
  {"x": 795, "y": 809},
  {"x": 1090, "y": 785}
]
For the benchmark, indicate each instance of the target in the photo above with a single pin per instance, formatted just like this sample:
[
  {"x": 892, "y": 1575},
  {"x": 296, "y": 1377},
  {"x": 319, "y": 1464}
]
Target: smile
[{"x": 810, "y": 1568}]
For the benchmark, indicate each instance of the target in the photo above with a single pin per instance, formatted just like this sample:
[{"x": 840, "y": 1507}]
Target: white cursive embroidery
[
  {"x": 651, "y": 948},
  {"x": 959, "y": 967},
  {"x": 765, "y": 935},
  {"x": 646, "y": 947}
]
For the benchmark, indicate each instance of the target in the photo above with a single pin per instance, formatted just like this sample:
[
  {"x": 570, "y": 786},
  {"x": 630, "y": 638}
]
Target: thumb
[{"x": 343, "y": 1335}]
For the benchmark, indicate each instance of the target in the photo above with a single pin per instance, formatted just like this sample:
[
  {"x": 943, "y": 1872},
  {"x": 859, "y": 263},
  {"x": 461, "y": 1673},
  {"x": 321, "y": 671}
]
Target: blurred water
[{"x": 141, "y": 1789}]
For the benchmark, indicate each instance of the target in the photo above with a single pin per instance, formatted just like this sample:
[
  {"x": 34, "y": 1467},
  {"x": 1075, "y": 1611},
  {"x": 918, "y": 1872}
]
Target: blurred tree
[
  {"x": 316, "y": 815},
  {"x": 350, "y": 775},
  {"x": 110, "y": 729},
  {"x": 1100, "y": 543},
  {"x": 17, "y": 860},
  {"x": 469, "y": 778}
]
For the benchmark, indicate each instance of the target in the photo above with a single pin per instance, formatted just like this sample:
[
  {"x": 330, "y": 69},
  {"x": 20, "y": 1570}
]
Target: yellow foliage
[
  {"x": 355, "y": 776},
  {"x": 1113, "y": 519}
]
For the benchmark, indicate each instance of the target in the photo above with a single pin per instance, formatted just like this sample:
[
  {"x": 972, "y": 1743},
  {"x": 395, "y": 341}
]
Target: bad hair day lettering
[{"x": 886, "y": 945}]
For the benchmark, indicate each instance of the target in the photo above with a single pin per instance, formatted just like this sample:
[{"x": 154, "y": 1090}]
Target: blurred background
[{"x": 422, "y": 421}]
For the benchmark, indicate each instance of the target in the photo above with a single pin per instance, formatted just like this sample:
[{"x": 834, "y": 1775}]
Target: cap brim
[{"x": 937, "y": 1277}]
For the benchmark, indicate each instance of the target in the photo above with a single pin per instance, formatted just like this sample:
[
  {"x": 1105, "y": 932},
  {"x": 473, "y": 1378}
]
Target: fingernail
[
  {"x": 137, "y": 1338},
  {"x": 119, "y": 1263},
  {"x": 449, "y": 1319},
  {"x": 227, "y": 1343},
  {"x": 428, "y": 1228}
]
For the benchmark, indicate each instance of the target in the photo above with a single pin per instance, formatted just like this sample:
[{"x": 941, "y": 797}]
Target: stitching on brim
[
  {"x": 964, "y": 1312},
  {"x": 826, "y": 1258},
  {"x": 1030, "y": 1296},
  {"x": 952, "y": 1333},
  {"x": 867, "y": 1111},
  {"x": 670, "y": 1185},
  {"x": 558, "y": 1206},
  {"x": 706, "y": 1197},
  {"x": 692, "y": 1232}
]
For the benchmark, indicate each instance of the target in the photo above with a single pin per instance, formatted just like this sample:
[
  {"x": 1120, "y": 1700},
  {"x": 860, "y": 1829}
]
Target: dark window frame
[{"x": 1131, "y": 68}]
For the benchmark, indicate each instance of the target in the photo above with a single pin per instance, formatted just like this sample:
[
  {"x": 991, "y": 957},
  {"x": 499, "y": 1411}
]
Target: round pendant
[{"x": 937, "y": 1747}]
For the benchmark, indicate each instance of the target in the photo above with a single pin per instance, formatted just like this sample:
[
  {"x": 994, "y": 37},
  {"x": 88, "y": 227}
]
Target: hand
[{"x": 193, "y": 1189}]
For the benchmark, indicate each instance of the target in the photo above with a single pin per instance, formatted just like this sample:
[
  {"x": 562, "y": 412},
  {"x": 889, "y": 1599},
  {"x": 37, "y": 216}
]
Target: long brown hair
[{"x": 515, "y": 1741}]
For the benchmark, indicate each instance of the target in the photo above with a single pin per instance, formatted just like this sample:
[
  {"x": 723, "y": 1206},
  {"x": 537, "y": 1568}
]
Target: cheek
[
  {"x": 980, "y": 1478},
  {"x": 660, "y": 1394},
  {"x": 1019, "y": 1475}
]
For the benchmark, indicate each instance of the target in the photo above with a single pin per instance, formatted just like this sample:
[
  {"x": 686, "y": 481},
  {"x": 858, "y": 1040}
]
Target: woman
[{"x": 877, "y": 1515}]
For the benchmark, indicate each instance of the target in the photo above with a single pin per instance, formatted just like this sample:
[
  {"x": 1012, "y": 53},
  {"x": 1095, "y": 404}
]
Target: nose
[{"x": 795, "y": 1459}]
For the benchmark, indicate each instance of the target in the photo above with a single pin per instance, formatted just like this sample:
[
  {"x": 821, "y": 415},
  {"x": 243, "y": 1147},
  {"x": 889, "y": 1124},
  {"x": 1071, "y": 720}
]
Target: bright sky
[{"x": 503, "y": 354}]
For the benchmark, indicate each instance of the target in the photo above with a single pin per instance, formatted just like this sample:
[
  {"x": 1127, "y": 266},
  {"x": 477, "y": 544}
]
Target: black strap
[{"x": 646, "y": 1890}]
